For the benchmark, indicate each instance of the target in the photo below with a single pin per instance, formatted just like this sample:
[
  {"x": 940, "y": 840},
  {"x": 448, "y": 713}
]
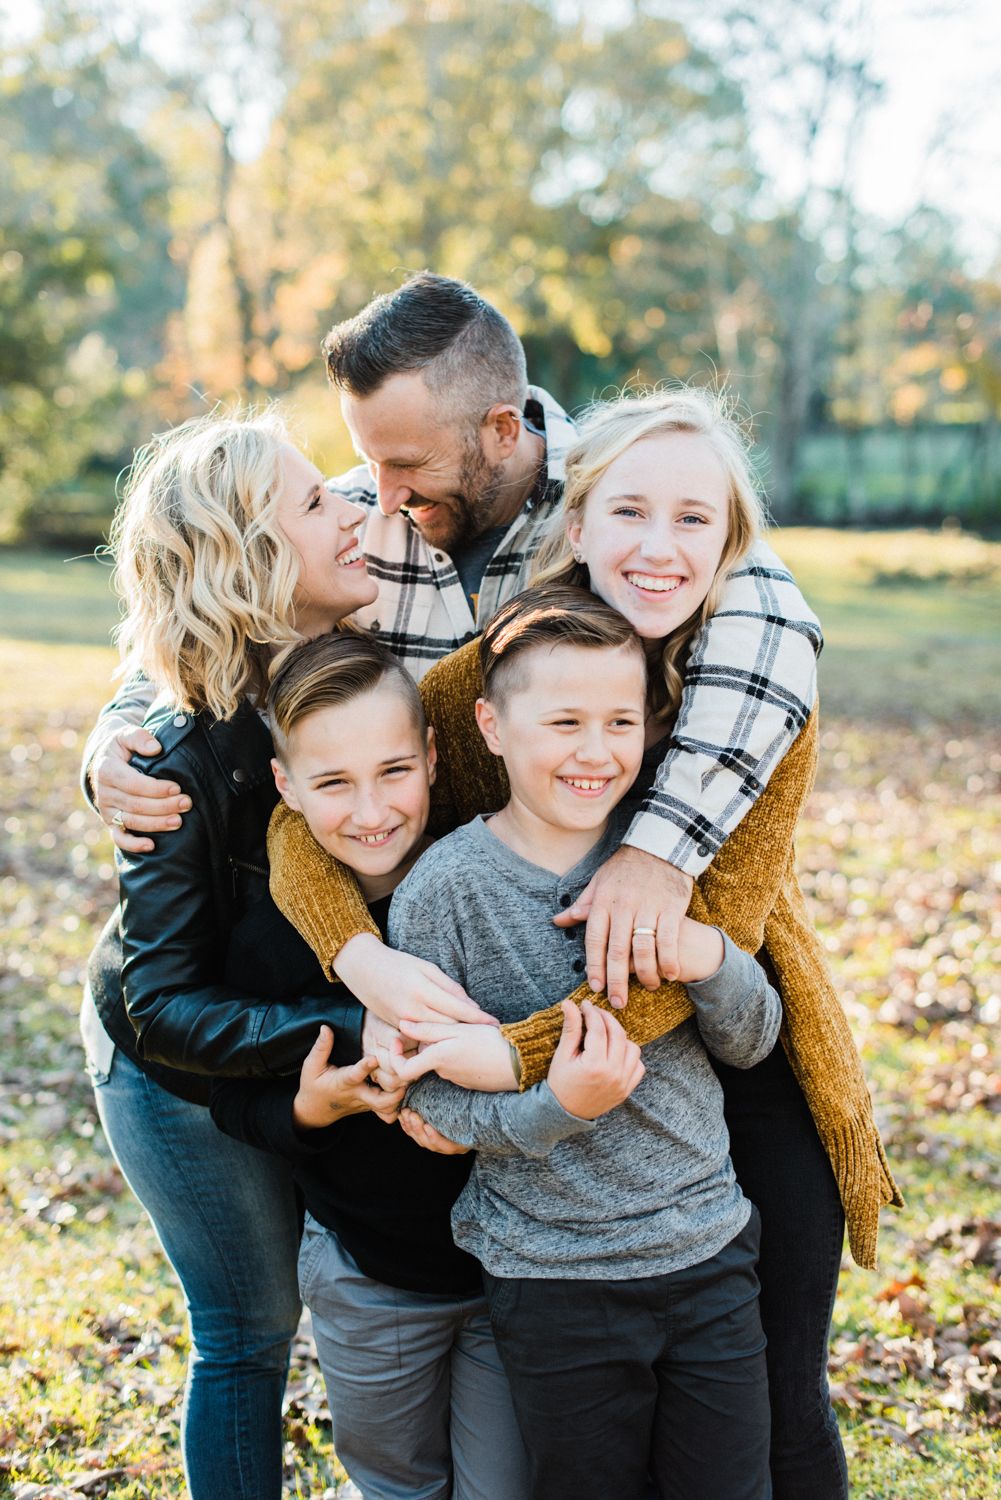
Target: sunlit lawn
[{"x": 901, "y": 856}]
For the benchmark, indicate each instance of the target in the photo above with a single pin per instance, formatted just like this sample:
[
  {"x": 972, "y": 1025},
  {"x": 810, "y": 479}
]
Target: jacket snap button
[
  {"x": 239, "y": 775},
  {"x": 180, "y": 721}
]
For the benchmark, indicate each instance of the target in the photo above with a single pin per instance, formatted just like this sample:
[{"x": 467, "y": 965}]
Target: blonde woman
[
  {"x": 229, "y": 547},
  {"x": 659, "y": 517}
]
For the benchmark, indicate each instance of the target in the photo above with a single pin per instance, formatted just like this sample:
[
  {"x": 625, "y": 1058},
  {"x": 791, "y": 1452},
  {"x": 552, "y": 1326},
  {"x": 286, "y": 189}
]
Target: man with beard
[{"x": 463, "y": 460}]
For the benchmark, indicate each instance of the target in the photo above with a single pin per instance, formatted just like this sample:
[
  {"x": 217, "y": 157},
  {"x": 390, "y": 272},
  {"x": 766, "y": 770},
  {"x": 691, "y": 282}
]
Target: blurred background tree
[{"x": 188, "y": 204}]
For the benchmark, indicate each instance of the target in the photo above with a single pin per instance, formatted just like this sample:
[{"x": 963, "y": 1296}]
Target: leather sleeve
[{"x": 173, "y": 957}]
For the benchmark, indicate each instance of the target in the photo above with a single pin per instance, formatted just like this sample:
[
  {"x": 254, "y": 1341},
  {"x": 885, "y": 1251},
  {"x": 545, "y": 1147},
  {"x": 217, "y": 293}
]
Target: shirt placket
[
  {"x": 451, "y": 594},
  {"x": 573, "y": 938}
]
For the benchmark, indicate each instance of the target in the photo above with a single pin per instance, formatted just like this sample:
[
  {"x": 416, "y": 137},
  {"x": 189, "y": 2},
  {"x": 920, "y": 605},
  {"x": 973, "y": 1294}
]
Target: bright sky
[{"x": 941, "y": 63}]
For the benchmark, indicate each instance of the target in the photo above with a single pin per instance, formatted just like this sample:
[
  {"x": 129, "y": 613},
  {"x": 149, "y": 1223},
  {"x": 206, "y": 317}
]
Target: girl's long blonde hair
[
  {"x": 607, "y": 430},
  {"x": 205, "y": 573}
]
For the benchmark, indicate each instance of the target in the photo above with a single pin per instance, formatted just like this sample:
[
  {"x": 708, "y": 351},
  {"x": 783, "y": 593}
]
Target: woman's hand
[
  {"x": 475, "y": 1057},
  {"x": 425, "y": 1135},
  {"x": 327, "y": 1094},
  {"x": 632, "y": 890},
  {"x": 146, "y": 804},
  {"x": 400, "y": 988}
]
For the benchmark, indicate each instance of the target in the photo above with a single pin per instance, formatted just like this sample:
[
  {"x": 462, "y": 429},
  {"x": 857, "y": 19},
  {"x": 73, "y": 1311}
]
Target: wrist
[
  {"x": 355, "y": 954},
  {"x": 308, "y": 1115}
]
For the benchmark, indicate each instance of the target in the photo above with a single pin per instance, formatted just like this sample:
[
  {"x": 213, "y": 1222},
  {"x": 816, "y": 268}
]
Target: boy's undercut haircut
[
  {"x": 331, "y": 670},
  {"x": 468, "y": 353},
  {"x": 549, "y": 615}
]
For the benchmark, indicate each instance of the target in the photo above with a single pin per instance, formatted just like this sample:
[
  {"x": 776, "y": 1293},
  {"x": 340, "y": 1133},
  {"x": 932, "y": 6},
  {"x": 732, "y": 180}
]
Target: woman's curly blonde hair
[
  {"x": 205, "y": 573},
  {"x": 604, "y": 434}
]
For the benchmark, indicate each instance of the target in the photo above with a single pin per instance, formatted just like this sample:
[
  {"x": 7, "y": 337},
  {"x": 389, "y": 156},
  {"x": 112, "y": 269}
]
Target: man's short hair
[
  {"x": 468, "y": 353},
  {"x": 549, "y": 615},
  {"x": 331, "y": 670}
]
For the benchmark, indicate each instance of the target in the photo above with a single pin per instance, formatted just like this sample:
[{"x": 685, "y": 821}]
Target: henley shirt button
[
  {"x": 578, "y": 966},
  {"x": 180, "y": 721},
  {"x": 703, "y": 850},
  {"x": 239, "y": 775},
  {"x": 565, "y": 900}
]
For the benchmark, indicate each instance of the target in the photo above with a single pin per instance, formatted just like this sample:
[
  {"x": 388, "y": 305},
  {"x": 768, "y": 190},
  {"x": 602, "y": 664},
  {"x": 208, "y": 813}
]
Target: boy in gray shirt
[{"x": 618, "y": 1250}]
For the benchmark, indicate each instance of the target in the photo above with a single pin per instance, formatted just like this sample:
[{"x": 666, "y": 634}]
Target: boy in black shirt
[{"x": 419, "y": 1400}]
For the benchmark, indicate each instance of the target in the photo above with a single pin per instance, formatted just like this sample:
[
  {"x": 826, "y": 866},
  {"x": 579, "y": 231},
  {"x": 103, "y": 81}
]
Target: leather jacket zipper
[{"x": 244, "y": 864}]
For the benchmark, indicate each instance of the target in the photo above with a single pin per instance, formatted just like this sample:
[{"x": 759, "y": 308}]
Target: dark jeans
[
  {"x": 783, "y": 1168},
  {"x": 666, "y": 1372}
]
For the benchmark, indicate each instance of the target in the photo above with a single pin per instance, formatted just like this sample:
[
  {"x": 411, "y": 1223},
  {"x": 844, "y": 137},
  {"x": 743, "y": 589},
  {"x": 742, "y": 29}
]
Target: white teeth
[
  {"x": 586, "y": 786},
  {"x": 374, "y": 838},
  {"x": 653, "y": 584},
  {"x": 349, "y": 557}
]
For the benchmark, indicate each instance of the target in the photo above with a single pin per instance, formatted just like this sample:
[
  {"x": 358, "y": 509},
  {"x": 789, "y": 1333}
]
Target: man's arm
[
  {"x": 111, "y": 784},
  {"x": 750, "y": 686}
]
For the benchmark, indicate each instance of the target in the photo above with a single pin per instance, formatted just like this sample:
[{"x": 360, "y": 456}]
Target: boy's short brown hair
[
  {"x": 549, "y": 615},
  {"x": 328, "y": 671}
]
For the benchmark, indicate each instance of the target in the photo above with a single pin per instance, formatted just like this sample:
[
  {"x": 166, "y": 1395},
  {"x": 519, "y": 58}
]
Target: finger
[
  {"x": 620, "y": 946},
  {"x": 135, "y": 741},
  {"x": 316, "y": 1057},
  {"x": 596, "y": 947},
  {"x": 595, "y": 1035},
  {"x": 573, "y": 1026},
  {"x": 420, "y": 1063},
  {"x": 645, "y": 951},
  {"x": 431, "y": 1031},
  {"x": 668, "y": 932},
  {"x": 124, "y": 840},
  {"x": 126, "y": 778},
  {"x": 442, "y": 1005},
  {"x": 581, "y": 908},
  {"x": 616, "y": 1040},
  {"x": 135, "y": 823}
]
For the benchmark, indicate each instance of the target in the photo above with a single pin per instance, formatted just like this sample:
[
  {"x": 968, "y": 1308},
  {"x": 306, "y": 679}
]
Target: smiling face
[
  {"x": 361, "y": 774},
  {"x": 333, "y": 577},
  {"x": 653, "y": 530},
  {"x": 440, "y": 474},
  {"x": 570, "y": 730}
]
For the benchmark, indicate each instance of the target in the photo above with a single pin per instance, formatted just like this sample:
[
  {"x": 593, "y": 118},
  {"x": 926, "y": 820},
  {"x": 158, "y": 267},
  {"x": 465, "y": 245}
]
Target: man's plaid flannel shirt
[{"x": 750, "y": 680}]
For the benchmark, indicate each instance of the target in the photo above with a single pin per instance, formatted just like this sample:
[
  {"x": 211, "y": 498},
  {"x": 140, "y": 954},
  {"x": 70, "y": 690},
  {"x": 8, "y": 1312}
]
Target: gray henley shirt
[{"x": 647, "y": 1188}]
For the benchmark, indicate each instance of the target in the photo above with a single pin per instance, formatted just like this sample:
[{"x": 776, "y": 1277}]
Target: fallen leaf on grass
[
  {"x": 89, "y": 1484},
  {"x": 900, "y": 1435}
]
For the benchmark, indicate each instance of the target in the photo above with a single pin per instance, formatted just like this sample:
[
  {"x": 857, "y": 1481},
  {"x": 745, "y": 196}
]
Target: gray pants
[{"x": 420, "y": 1403}]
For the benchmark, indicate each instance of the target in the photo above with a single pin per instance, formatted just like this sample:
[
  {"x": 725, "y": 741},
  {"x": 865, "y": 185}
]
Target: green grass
[
  {"x": 900, "y": 853},
  {"x": 44, "y": 598},
  {"x": 912, "y": 621}
]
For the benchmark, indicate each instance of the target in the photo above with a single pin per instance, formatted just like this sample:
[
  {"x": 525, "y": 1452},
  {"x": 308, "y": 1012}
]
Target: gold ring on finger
[
  {"x": 118, "y": 821},
  {"x": 644, "y": 932}
]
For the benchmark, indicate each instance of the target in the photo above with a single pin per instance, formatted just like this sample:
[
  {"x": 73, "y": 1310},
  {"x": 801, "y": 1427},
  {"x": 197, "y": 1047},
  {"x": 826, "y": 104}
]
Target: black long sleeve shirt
[{"x": 387, "y": 1199}]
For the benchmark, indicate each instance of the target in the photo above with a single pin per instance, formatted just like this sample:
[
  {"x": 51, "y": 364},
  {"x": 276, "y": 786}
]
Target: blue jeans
[{"x": 226, "y": 1218}]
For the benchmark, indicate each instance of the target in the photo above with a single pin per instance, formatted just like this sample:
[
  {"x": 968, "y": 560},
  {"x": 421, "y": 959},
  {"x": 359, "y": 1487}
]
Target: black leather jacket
[{"x": 158, "y": 971}]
